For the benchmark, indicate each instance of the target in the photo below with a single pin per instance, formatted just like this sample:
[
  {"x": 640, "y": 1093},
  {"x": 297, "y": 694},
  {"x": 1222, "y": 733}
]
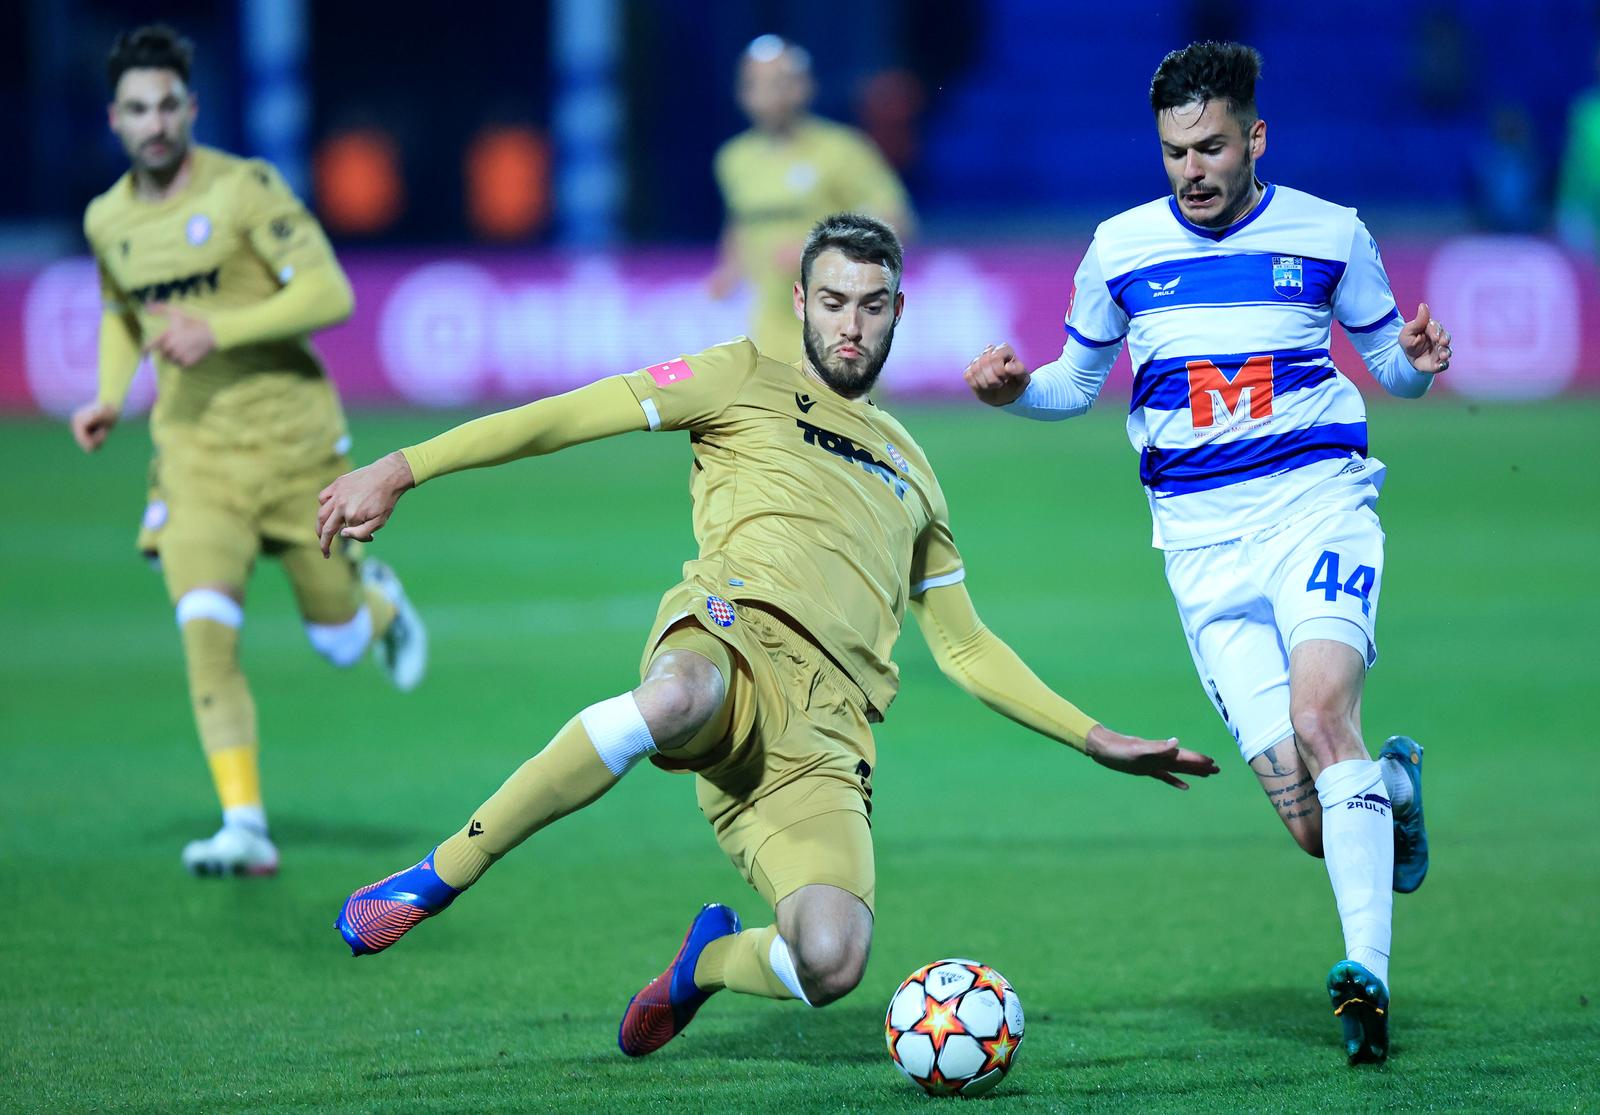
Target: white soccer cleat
[
  {"x": 233, "y": 850},
  {"x": 403, "y": 650}
]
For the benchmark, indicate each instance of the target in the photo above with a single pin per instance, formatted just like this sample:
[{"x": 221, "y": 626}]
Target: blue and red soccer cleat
[
  {"x": 378, "y": 915},
  {"x": 661, "y": 1010}
]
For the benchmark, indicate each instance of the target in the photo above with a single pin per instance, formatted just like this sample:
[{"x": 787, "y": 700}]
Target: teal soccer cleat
[
  {"x": 1410, "y": 834},
  {"x": 1361, "y": 1003}
]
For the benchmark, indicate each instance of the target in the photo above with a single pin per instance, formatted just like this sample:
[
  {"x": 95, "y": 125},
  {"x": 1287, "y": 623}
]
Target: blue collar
[{"x": 1219, "y": 233}]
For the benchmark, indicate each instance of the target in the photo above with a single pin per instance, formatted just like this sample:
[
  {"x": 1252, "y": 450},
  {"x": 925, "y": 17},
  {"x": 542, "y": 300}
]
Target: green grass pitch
[{"x": 1169, "y": 948}]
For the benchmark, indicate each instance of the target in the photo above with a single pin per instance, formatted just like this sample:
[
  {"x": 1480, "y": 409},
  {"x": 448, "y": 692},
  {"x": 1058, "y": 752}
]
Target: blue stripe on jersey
[
  {"x": 1090, "y": 342},
  {"x": 1249, "y": 278},
  {"x": 1379, "y": 324},
  {"x": 1164, "y": 384},
  {"x": 1173, "y": 472}
]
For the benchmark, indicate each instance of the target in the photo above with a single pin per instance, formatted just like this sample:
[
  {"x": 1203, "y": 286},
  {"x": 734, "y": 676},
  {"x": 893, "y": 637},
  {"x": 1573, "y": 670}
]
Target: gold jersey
[
  {"x": 819, "y": 505},
  {"x": 232, "y": 237},
  {"x": 775, "y": 189}
]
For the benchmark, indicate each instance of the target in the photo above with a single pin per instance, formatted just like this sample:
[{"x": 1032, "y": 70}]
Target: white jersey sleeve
[
  {"x": 1096, "y": 326},
  {"x": 1364, "y": 305}
]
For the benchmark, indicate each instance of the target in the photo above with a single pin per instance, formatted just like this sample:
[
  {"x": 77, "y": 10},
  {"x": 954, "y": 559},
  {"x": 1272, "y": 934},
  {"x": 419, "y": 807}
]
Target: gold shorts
[
  {"x": 788, "y": 792},
  {"x": 209, "y": 515}
]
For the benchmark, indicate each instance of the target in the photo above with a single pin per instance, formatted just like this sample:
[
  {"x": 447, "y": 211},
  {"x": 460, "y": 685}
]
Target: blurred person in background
[
  {"x": 210, "y": 265},
  {"x": 1578, "y": 199},
  {"x": 1506, "y": 174},
  {"x": 788, "y": 170}
]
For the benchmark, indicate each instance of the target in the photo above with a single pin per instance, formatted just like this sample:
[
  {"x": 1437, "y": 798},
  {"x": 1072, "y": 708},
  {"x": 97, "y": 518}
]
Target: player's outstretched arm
[
  {"x": 359, "y": 503},
  {"x": 1064, "y": 388},
  {"x": 996, "y": 376},
  {"x": 982, "y": 664}
]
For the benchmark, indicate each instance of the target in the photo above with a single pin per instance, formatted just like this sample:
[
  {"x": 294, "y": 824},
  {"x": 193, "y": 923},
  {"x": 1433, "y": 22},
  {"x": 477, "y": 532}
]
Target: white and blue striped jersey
[{"x": 1238, "y": 413}]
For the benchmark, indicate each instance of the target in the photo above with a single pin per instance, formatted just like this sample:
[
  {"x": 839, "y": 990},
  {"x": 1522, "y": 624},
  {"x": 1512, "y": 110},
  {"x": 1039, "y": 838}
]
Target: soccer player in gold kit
[
  {"x": 211, "y": 265},
  {"x": 779, "y": 177},
  {"x": 819, "y": 522}
]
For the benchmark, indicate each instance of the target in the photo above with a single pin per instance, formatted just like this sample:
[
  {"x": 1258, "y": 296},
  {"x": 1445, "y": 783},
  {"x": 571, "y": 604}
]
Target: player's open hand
[
  {"x": 1162, "y": 759},
  {"x": 996, "y": 376},
  {"x": 91, "y": 424},
  {"x": 358, "y": 503},
  {"x": 1425, "y": 342},
  {"x": 186, "y": 340}
]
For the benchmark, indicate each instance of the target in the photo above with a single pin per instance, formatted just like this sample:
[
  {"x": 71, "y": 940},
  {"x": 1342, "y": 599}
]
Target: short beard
[
  {"x": 849, "y": 380},
  {"x": 163, "y": 171},
  {"x": 1240, "y": 189}
]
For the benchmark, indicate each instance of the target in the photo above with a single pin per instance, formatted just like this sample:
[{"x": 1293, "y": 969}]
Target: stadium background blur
[{"x": 523, "y": 198}]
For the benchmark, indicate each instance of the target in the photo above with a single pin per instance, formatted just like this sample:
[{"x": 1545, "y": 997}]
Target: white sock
[
  {"x": 343, "y": 644},
  {"x": 1397, "y": 781},
  {"x": 783, "y": 967},
  {"x": 252, "y": 817},
  {"x": 619, "y": 732},
  {"x": 1358, "y": 844}
]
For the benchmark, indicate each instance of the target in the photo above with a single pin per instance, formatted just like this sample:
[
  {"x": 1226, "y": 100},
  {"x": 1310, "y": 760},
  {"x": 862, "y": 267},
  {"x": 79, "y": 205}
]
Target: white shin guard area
[
  {"x": 1358, "y": 844},
  {"x": 208, "y": 603},
  {"x": 617, "y": 729},
  {"x": 783, "y": 967},
  {"x": 343, "y": 644}
]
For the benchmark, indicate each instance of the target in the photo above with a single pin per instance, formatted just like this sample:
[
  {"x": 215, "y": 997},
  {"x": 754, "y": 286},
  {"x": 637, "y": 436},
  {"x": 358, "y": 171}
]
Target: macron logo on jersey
[
  {"x": 1247, "y": 395},
  {"x": 673, "y": 371}
]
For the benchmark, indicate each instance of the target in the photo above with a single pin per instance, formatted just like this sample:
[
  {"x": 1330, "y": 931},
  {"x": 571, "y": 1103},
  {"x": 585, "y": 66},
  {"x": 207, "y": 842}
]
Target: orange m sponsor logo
[{"x": 1248, "y": 395}]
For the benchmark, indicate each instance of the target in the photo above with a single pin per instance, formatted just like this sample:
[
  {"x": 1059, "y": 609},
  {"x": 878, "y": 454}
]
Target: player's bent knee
[
  {"x": 831, "y": 964},
  {"x": 682, "y": 693},
  {"x": 1323, "y": 732},
  {"x": 209, "y": 604},
  {"x": 342, "y": 644}
]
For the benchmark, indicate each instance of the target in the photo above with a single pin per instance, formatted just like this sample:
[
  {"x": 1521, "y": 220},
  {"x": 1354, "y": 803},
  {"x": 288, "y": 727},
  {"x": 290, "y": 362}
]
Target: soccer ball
[{"x": 953, "y": 1027}]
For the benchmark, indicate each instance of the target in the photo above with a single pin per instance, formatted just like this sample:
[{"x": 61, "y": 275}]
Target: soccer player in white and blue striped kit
[{"x": 1253, "y": 452}]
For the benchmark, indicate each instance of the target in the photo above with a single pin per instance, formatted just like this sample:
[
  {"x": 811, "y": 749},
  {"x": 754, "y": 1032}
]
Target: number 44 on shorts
[{"x": 1325, "y": 577}]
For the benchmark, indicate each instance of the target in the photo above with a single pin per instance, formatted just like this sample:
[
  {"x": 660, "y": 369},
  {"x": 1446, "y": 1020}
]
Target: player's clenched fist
[
  {"x": 996, "y": 376},
  {"x": 1425, "y": 342},
  {"x": 360, "y": 502},
  {"x": 91, "y": 424}
]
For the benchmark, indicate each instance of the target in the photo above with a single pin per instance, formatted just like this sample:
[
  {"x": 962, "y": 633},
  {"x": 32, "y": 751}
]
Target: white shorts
[{"x": 1246, "y": 604}]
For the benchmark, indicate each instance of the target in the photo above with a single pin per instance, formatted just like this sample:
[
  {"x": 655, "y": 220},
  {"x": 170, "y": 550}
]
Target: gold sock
[
  {"x": 563, "y": 778},
  {"x": 381, "y": 608},
  {"x": 741, "y": 962},
  {"x": 236, "y": 772}
]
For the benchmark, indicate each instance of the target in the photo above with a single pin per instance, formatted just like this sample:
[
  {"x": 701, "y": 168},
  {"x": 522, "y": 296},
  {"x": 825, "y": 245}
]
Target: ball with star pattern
[{"x": 953, "y": 1027}]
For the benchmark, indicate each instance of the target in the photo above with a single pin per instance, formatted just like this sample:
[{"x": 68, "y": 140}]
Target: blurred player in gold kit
[
  {"x": 212, "y": 266},
  {"x": 820, "y": 521},
  {"x": 782, "y": 175}
]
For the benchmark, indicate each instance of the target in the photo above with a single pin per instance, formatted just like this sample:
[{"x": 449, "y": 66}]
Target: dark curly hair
[
  {"x": 1202, "y": 72},
  {"x": 861, "y": 238},
  {"x": 152, "y": 47}
]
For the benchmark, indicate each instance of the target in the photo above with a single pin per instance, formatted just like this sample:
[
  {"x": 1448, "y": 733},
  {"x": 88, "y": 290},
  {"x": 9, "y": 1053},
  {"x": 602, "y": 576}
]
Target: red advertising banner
[{"x": 482, "y": 329}]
